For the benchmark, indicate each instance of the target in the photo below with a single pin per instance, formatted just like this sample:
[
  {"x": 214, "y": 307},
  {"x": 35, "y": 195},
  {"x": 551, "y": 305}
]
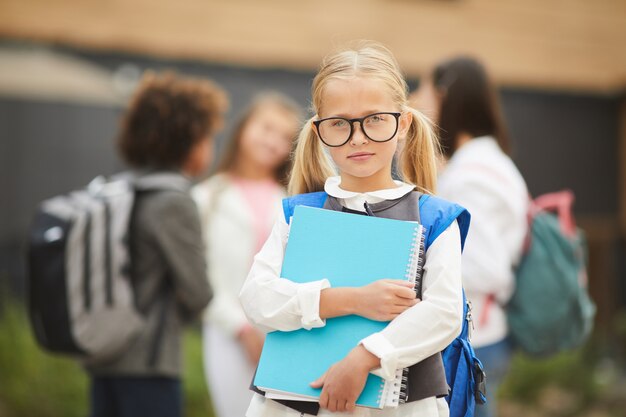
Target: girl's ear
[{"x": 404, "y": 123}]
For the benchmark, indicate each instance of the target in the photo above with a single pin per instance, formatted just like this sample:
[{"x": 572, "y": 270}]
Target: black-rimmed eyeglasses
[{"x": 378, "y": 127}]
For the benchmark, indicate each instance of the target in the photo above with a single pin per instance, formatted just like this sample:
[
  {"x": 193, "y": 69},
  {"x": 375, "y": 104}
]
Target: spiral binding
[
  {"x": 414, "y": 269},
  {"x": 393, "y": 394},
  {"x": 403, "y": 395},
  {"x": 397, "y": 393},
  {"x": 421, "y": 258}
]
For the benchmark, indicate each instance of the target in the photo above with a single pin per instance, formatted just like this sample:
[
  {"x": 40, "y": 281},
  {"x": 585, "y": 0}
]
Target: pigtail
[
  {"x": 311, "y": 164},
  {"x": 421, "y": 151}
]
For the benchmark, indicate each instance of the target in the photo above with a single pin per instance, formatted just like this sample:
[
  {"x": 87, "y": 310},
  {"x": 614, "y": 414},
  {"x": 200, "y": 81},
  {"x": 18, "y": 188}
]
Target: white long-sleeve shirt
[
  {"x": 275, "y": 303},
  {"x": 485, "y": 181}
]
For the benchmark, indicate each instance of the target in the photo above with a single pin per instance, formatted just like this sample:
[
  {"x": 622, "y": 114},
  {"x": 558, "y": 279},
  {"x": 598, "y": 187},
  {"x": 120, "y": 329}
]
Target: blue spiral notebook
[{"x": 349, "y": 250}]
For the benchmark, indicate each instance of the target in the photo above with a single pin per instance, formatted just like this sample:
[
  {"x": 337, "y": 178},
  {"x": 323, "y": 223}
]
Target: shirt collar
[{"x": 333, "y": 188}]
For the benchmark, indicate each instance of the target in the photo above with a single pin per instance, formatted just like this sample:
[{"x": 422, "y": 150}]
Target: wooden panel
[
  {"x": 603, "y": 279},
  {"x": 547, "y": 44}
]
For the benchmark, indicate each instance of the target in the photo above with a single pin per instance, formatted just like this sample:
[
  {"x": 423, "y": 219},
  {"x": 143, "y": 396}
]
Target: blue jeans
[
  {"x": 136, "y": 397},
  {"x": 496, "y": 359}
]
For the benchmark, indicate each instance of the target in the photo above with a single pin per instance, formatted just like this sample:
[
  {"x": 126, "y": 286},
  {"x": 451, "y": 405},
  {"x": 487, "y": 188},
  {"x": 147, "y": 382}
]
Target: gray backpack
[{"x": 81, "y": 298}]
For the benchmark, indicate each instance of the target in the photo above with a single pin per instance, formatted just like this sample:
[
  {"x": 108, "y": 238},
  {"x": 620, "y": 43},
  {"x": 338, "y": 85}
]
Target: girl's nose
[{"x": 358, "y": 137}]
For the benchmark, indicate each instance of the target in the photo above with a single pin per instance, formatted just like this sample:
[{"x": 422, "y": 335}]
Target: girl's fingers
[
  {"x": 397, "y": 310},
  {"x": 319, "y": 382},
  {"x": 324, "y": 399},
  {"x": 397, "y": 307},
  {"x": 332, "y": 405},
  {"x": 342, "y": 405},
  {"x": 405, "y": 292},
  {"x": 404, "y": 302},
  {"x": 401, "y": 282}
]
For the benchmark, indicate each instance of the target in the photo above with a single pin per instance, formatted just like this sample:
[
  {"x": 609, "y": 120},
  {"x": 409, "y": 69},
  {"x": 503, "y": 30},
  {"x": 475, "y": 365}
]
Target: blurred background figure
[
  {"x": 478, "y": 174},
  {"x": 169, "y": 130},
  {"x": 238, "y": 206}
]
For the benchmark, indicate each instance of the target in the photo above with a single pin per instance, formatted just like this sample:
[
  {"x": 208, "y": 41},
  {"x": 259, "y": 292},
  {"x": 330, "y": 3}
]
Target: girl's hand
[
  {"x": 343, "y": 382},
  {"x": 385, "y": 299},
  {"x": 252, "y": 341}
]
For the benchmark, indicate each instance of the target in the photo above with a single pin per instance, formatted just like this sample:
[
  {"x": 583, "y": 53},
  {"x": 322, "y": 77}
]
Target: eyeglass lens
[{"x": 380, "y": 127}]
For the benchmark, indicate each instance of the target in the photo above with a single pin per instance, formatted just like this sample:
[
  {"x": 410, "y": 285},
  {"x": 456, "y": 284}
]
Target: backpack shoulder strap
[
  {"x": 161, "y": 181},
  {"x": 436, "y": 214},
  {"x": 309, "y": 199}
]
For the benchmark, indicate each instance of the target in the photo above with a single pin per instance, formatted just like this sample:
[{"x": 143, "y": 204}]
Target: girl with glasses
[{"x": 346, "y": 150}]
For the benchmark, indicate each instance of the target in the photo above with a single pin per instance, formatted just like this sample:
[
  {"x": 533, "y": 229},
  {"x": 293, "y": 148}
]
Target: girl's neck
[
  {"x": 462, "y": 139},
  {"x": 251, "y": 172},
  {"x": 368, "y": 184}
]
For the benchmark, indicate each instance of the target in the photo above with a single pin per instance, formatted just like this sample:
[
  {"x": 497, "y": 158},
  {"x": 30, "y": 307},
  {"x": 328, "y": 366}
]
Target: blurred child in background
[
  {"x": 238, "y": 207},
  {"x": 480, "y": 175},
  {"x": 167, "y": 130}
]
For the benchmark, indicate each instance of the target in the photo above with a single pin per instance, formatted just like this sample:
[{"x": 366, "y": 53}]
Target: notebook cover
[{"x": 349, "y": 250}]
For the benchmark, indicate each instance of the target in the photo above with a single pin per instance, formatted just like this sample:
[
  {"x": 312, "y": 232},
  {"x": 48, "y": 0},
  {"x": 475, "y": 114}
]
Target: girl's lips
[{"x": 360, "y": 156}]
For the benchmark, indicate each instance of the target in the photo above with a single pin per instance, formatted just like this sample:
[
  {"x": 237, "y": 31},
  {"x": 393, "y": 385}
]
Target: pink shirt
[{"x": 259, "y": 196}]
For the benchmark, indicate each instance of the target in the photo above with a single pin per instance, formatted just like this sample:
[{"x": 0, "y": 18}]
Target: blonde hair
[{"x": 367, "y": 59}]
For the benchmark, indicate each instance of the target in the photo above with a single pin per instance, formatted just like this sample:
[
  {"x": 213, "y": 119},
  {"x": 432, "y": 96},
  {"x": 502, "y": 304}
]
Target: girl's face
[
  {"x": 360, "y": 158},
  {"x": 267, "y": 137}
]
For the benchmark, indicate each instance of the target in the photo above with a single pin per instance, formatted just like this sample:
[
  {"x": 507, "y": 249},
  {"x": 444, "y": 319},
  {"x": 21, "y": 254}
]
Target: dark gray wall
[
  {"x": 50, "y": 147},
  {"x": 564, "y": 140},
  {"x": 47, "y": 148}
]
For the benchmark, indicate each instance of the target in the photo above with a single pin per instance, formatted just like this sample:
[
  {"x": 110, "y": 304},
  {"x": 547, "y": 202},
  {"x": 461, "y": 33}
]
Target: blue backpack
[{"x": 464, "y": 371}]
